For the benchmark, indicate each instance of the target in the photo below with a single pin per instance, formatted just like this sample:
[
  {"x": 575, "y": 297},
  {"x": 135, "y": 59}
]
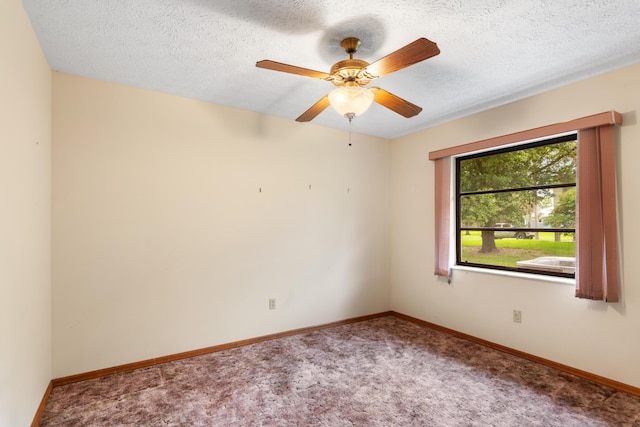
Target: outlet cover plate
[{"x": 517, "y": 316}]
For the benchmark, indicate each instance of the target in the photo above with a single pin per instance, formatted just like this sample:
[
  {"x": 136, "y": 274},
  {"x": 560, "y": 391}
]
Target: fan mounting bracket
[{"x": 350, "y": 45}]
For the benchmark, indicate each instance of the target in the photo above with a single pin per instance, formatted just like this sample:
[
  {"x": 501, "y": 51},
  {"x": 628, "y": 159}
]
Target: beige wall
[
  {"x": 162, "y": 242},
  {"x": 25, "y": 207},
  {"x": 594, "y": 336}
]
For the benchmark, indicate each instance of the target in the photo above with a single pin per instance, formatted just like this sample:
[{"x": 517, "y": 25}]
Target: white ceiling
[{"x": 492, "y": 51}]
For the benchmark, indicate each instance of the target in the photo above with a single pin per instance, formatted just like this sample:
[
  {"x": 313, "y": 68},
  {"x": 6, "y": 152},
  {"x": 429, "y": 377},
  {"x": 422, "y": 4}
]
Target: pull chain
[{"x": 350, "y": 116}]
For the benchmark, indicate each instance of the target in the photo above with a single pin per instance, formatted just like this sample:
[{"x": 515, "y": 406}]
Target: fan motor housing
[{"x": 350, "y": 70}]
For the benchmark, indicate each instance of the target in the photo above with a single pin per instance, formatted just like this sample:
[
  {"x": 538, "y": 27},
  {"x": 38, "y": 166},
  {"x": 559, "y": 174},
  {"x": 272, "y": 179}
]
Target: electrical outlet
[
  {"x": 517, "y": 316},
  {"x": 272, "y": 303}
]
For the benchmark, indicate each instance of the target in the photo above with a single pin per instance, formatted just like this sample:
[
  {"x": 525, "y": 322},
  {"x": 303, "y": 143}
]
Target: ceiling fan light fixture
[{"x": 350, "y": 100}]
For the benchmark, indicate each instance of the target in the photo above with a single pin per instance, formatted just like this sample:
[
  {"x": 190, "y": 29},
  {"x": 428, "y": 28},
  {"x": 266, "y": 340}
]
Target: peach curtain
[
  {"x": 596, "y": 241},
  {"x": 442, "y": 215}
]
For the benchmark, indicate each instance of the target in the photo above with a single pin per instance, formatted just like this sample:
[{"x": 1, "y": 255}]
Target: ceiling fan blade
[
  {"x": 412, "y": 53},
  {"x": 292, "y": 69},
  {"x": 315, "y": 109},
  {"x": 395, "y": 103}
]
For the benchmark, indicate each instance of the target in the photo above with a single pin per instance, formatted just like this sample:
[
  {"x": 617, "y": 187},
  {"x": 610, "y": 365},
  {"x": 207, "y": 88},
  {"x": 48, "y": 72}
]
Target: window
[
  {"x": 596, "y": 268},
  {"x": 516, "y": 207}
]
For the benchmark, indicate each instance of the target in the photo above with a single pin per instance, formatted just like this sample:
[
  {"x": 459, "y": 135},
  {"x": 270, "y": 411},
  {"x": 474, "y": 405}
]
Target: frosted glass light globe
[{"x": 350, "y": 101}]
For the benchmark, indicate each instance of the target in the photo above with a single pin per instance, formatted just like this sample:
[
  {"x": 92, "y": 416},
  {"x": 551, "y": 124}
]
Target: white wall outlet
[
  {"x": 517, "y": 316},
  {"x": 272, "y": 303}
]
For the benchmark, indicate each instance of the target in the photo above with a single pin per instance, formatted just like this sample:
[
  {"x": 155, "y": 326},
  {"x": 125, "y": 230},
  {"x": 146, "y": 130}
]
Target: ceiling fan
[{"x": 352, "y": 98}]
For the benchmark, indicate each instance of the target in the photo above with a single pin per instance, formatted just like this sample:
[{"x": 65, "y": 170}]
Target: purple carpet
[{"x": 380, "y": 372}]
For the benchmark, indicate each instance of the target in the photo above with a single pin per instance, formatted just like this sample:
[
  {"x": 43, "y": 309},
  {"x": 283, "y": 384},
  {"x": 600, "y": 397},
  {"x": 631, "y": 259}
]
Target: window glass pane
[
  {"x": 540, "y": 208},
  {"x": 547, "y": 164},
  {"x": 543, "y": 251}
]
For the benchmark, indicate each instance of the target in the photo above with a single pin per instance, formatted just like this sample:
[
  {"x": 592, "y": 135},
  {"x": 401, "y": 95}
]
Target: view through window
[{"x": 516, "y": 207}]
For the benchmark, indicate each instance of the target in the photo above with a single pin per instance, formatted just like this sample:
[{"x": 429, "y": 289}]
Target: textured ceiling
[{"x": 492, "y": 51}]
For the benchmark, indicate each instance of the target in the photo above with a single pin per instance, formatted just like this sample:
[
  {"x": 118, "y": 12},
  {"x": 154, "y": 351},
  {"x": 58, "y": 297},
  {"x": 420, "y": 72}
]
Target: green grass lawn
[{"x": 511, "y": 250}]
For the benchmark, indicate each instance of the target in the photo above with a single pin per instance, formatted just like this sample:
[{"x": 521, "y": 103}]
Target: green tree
[
  {"x": 513, "y": 170},
  {"x": 564, "y": 211}
]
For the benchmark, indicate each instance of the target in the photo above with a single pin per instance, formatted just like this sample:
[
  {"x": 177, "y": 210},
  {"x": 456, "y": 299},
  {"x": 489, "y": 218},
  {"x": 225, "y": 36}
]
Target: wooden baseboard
[
  {"x": 38, "y": 416},
  {"x": 626, "y": 388},
  {"x": 57, "y": 382}
]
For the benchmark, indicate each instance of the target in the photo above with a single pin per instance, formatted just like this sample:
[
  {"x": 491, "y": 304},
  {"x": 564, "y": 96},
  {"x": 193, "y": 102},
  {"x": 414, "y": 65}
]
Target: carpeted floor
[{"x": 381, "y": 372}]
